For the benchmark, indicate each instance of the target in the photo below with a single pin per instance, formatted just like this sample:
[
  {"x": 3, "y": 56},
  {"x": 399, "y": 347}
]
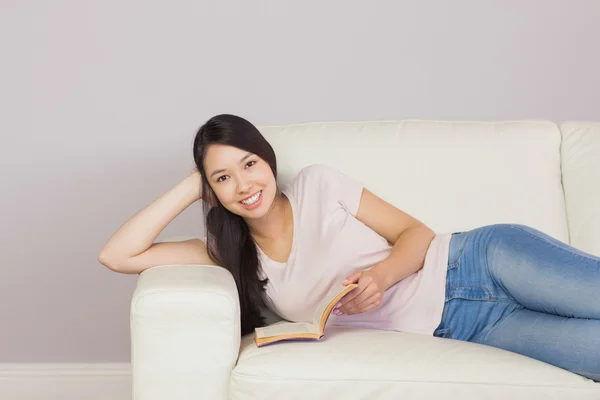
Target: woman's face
[{"x": 242, "y": 181}]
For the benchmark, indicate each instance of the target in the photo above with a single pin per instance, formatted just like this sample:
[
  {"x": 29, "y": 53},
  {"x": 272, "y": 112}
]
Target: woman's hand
[
  {"x": 194, "y": 179},
  {"x": 367, "y": 296}
]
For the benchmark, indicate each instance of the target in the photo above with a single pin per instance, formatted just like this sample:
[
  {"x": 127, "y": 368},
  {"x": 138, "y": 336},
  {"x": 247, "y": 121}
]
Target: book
[{"x": 314, "y": 330}]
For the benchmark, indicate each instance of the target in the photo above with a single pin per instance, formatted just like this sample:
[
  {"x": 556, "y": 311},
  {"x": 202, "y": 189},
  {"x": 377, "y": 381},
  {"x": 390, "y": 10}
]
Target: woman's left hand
[{"x": 365, "y": 297}]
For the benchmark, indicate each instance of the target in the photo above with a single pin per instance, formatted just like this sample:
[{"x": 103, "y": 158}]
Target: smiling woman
[
  {"x": 238, "y": 185},
  {"x": 325, "y": 229},
  {"x": 242, "y": 203}
]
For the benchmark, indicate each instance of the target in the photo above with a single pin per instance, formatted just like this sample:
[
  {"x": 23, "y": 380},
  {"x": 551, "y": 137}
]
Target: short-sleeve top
[{"x": 330, "y": 243}]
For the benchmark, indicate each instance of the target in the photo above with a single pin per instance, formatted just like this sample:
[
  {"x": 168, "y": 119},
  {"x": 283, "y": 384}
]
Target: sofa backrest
[
  {"x": 453, "y": 176},
  {"x": 581, "y": 179}
]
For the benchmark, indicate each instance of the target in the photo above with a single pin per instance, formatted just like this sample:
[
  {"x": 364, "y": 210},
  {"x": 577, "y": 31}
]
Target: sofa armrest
[{"x": 185, "y": 333}]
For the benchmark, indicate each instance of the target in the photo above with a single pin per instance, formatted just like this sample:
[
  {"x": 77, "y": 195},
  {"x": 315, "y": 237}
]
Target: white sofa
[{"x": 454, "y": 176}]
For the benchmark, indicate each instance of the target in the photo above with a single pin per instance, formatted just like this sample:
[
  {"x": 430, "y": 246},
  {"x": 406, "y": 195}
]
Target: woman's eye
[
  {"x": 250, "y": 163},
  {"x": 221, "y": 178}
]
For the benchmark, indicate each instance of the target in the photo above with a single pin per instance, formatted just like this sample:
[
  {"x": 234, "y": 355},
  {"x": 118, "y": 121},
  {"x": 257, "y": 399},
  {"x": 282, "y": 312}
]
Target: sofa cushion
[
  {"x": 453, "y": 176},
  {"x": 372, "y": 364},
  {"x": 581, "y": 179}
]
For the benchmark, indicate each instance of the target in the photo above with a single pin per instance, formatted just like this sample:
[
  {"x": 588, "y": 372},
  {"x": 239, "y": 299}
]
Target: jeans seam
[
  {"x": 490, "y": 299},
  {"x": 479, "y": 287},
  {"x": 554, "y": 245},
  {"x": 498, "y": 285},
  {"x": 488, "y": 330}
]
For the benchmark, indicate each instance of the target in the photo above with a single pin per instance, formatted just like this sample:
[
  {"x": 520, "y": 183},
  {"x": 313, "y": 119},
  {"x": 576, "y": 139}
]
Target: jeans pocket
[{"x": 458, "y": 242}]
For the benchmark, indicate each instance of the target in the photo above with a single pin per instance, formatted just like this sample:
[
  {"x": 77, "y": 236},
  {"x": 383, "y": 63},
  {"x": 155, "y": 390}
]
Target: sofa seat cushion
[{"x": 373, "y": 364}]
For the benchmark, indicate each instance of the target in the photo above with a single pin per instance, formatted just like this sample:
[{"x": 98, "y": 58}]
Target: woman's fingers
[
  {"x": 351, "y": 296},
  {"x": 355, "y": 304}
]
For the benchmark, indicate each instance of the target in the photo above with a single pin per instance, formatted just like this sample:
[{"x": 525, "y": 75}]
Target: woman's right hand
[{"x": 195, "y": 181}]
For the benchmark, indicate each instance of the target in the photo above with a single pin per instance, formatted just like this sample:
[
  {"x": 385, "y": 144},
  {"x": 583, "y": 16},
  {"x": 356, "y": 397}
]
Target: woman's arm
[
  {"x": 407, "y": 256},
  {"x": 128, "y": 249},
  {"x": 409, "y": 236}
]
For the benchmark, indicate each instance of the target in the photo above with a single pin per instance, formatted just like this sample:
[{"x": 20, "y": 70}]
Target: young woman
[{"x": 508, "y": 286}]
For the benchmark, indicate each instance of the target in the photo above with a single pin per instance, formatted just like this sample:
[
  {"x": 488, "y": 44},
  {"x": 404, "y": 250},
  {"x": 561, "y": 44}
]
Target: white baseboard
[{"x": 99, "y": 381}]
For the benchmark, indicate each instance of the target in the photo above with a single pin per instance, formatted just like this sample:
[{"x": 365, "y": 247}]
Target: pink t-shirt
[{"x": 329, "y": 244}]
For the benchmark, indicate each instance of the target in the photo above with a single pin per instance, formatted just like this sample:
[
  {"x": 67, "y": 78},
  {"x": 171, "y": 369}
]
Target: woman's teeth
[{"x": 252, "y": 199}]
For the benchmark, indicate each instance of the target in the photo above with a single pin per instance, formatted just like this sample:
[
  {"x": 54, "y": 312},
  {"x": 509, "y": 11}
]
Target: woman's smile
[{"x": 253, "y": 201}]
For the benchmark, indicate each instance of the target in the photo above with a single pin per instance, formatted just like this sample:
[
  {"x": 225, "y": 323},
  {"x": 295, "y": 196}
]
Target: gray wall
[{"x": 101, "y": 100}]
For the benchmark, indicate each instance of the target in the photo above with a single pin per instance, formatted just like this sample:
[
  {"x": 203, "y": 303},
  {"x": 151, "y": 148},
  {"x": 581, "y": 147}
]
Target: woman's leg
[
  {"x": 513, "y": 287},
  {"x": 558, "y": 287},
  {"x": 569, "y": 343},
  {"x": 542, "y": 273}
]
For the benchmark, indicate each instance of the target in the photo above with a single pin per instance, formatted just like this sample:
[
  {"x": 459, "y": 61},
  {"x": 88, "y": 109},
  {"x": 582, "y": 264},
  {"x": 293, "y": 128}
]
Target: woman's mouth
[{"x": 252, "y": 201}]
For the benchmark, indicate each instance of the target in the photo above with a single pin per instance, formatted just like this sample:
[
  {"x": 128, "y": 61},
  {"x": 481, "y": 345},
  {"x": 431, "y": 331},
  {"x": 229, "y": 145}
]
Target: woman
[{"x": 508, "y": 286}]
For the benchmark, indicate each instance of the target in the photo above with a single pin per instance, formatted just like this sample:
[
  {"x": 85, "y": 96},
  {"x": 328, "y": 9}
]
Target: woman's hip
[
  {"x": 498, "y": 269},
  {"x": 473, "y": 300}
]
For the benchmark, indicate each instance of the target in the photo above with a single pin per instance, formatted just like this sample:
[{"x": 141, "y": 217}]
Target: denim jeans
[{"x": 516, "y": 288}]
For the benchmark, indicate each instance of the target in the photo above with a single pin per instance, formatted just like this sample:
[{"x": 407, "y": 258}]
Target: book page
[
  {"x": 286, "y": 328},
  {"x": 321, "y": 309}
]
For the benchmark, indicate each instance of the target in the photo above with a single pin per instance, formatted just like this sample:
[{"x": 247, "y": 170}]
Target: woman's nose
[{"x": 244, "y": 186}]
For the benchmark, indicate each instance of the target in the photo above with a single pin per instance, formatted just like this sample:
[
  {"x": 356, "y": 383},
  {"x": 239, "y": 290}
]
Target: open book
[{"x": 302, "y": 330}]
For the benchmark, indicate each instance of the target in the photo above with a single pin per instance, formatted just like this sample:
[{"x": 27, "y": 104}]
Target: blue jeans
[{"x": 516, "y": 288}]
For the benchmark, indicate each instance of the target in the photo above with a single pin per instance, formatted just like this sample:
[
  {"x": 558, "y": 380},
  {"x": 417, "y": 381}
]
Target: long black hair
[{"x": 229, "y": 242}]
